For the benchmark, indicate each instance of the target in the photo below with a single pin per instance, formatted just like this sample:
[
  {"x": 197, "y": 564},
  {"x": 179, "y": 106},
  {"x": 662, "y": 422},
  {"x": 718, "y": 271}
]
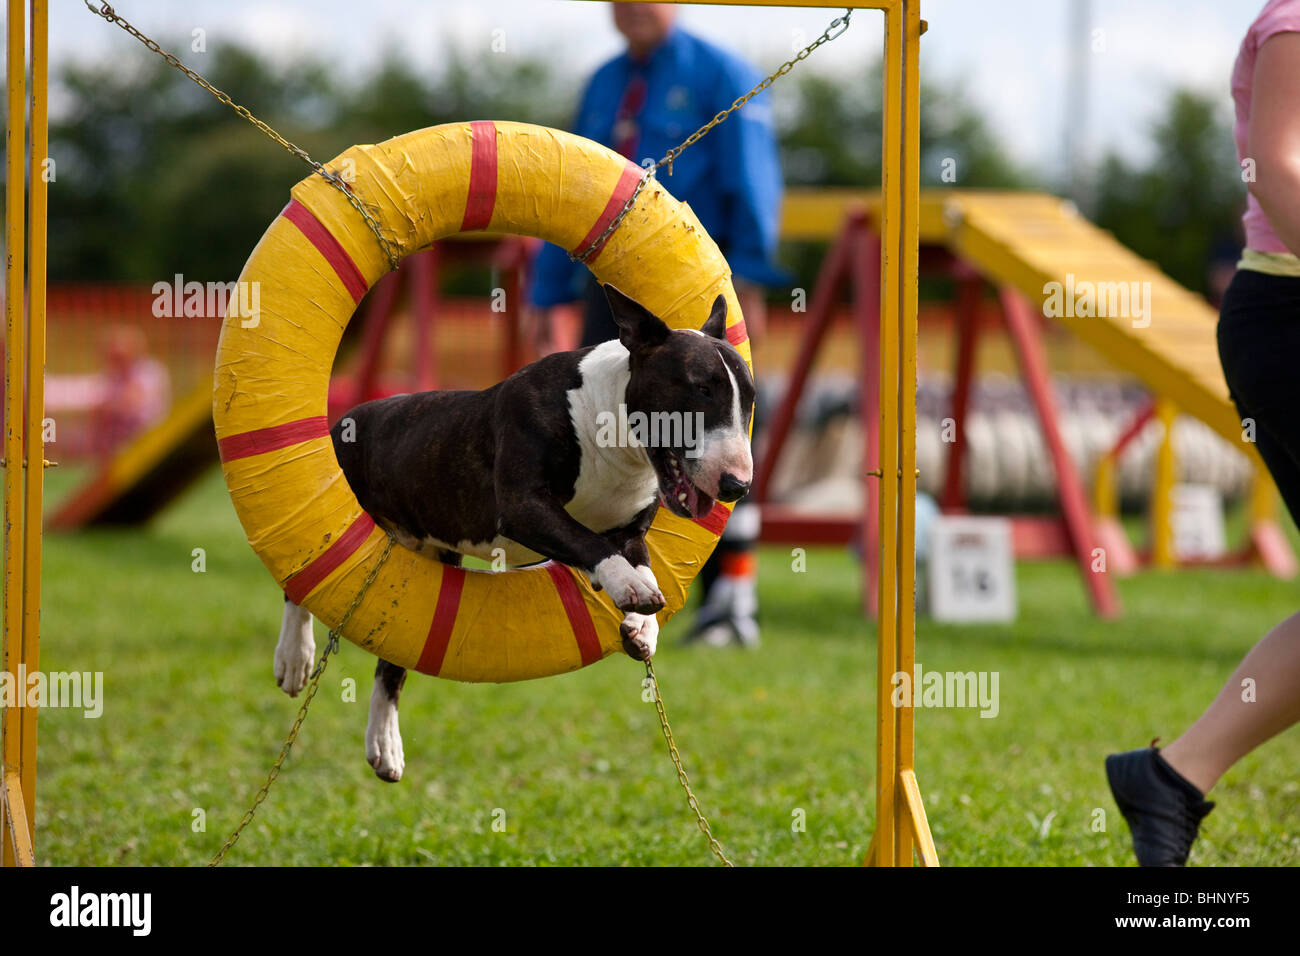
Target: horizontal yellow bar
[{"x": 854, "y": 4}]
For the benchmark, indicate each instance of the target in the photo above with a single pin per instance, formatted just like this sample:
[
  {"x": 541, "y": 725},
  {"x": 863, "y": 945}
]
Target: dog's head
[{"x": 689, "y": 403}]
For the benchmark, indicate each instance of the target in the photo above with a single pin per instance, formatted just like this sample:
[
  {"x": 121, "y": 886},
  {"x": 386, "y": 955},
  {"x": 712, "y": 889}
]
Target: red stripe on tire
[
  {"x": 482, "y": 198},
  {"x": 305, "y": 581},
  {"x": 715, "y": 520},
  {"x": 444, "y": 619},
  {"x": 626, "y": 186},
  {"x": 260, "y": 440},
  {"x": 327, "y": 246},
  {"x": 576, "y": 609}
]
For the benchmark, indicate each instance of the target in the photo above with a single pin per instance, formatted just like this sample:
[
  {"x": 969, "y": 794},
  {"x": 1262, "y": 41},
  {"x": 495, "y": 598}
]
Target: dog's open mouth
[{"x": 680, "y": 494}]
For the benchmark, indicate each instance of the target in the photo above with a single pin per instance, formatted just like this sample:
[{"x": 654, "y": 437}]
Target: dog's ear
[
  {"x": 716, "y": 324},
  {"x": 639, "y": 329}
]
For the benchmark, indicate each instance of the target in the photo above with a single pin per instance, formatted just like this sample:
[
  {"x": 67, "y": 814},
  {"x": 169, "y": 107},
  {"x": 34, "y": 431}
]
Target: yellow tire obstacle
[{"x": 313, "y": 266}]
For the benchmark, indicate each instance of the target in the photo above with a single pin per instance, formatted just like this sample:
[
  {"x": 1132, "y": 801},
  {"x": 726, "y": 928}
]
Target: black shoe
[{"x": 1163, "y": 809}]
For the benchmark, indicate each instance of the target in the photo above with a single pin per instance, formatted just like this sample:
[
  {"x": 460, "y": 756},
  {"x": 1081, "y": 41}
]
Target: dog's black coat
[
  {"x": 467, "y": 466},
  {"x": 454, "y": 472}
]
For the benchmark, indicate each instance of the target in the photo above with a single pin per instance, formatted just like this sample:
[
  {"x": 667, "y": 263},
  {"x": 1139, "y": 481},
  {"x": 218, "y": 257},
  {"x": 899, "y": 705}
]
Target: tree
[
  {"x": 156, "y": 176},
  {"x": 830, "y": 130},
  {"x": 1177, "y": 208}
]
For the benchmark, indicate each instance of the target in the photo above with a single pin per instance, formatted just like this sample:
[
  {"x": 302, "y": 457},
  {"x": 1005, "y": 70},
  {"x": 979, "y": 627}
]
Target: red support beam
[
  {"x": 424, "y": 298},
  {"x": 821, "y": 310},
  {"x": 1027, "y": 338},
  {"x": 966, "y": 319}
]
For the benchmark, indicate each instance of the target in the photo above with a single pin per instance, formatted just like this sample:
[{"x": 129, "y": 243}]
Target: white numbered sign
[
  {"x": 1198, "y": 522},
  {"x": 972, "y": 574}
]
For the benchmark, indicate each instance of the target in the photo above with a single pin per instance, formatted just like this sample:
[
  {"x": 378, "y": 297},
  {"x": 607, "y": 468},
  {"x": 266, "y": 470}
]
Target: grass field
[{"x": 575, "y": 766}]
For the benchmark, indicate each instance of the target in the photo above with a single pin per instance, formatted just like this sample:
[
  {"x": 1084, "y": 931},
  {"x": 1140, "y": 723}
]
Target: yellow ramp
[
  {"x": 149, "y": 471},
  {"x": 1027, "y": 240}
]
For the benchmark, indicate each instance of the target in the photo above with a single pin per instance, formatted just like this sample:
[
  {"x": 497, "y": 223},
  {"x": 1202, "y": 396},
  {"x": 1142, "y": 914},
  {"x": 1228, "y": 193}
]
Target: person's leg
[
  {"x": 728, "y": 610},
  {"x": 1259, "y": 347},
  {"x": 1161, "y": 792},
  {"x": 1260, "y": 700}
]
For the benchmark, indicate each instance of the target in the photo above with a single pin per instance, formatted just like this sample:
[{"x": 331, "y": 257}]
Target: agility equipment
[
  {"x": 314, "y": 265},
  {"x": 901, "y": 825},
  {"x": 1020, "y": 242}
]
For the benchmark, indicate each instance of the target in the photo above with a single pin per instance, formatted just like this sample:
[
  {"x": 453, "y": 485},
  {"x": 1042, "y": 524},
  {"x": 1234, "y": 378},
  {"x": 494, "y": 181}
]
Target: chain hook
[{"x": 841, "y": 22}]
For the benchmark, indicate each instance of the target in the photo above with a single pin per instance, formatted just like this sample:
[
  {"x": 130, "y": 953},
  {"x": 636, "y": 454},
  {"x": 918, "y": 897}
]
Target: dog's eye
[{"x": 704, "y": 390}]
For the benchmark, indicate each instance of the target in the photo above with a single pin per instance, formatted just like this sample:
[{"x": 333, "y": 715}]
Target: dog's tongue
[
  {"x": 689, "y": 498},
  {"x": 701, "y": 504}
]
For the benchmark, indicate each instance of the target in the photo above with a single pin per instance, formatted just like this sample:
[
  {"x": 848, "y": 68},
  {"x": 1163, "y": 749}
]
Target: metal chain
[
  {"x": 107, "y": 12},
  {"x": 614, "y": 223},
  {"x": 833, "y": 30},
  {"x": 331, "y": 646},
  {"x": 691, "y": 801}
]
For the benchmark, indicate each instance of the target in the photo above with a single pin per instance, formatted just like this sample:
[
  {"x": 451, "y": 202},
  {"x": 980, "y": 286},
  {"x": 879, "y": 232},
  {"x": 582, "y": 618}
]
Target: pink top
[{"x": 1278, "y": 16}]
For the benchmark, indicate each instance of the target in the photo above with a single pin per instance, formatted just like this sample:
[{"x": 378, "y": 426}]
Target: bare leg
[{"x": 1261, "y": 699}]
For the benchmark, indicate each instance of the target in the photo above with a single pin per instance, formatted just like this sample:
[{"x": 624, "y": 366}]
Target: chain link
[
  {"x": 833, "y": 30},
  {"x": 691, "y": 801},
  {"x": 331, "y": 646},
  {"x": 614, "y": 223},
  {"x": 109, "y": 14}
]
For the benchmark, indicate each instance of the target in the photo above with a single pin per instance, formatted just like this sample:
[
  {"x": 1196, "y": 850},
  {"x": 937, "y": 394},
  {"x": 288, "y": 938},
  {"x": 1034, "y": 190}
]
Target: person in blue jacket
[{"x": 642, "y": 103}]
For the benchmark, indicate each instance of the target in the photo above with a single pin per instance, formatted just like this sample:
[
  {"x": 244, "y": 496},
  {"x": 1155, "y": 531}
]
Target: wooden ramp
[
  {"x": 149, "y": 472},
  {"x": 1026, "y": 240},
  {"x": 1030, "y": 240}
]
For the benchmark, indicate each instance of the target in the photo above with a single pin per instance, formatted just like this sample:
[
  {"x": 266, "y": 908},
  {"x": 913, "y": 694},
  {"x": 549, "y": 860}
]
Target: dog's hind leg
[
  {"x": 383, "y": 737},
  {"x": 295, "y": 654}
]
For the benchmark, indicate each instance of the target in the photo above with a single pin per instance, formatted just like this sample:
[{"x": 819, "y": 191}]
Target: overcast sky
[{"x": 1011, "y": 55}]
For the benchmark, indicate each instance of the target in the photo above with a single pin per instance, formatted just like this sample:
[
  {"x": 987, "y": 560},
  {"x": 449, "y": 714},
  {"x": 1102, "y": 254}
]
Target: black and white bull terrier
[{"x": 551, "y": 463}]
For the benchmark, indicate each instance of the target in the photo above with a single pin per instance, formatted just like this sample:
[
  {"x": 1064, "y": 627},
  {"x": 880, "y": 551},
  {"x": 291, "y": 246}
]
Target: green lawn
[{"x": 192, "y": 721}]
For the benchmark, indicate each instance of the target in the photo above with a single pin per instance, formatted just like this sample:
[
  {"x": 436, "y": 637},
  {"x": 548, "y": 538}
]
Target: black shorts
[{"x": 1259, "y": 347}]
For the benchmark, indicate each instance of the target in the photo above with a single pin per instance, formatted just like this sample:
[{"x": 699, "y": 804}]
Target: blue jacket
[{"x": 731, "y": 177}]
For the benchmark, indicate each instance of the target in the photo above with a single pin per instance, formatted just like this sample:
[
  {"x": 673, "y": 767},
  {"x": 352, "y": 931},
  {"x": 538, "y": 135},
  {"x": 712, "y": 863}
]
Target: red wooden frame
[{"x": 854, "y": 259}]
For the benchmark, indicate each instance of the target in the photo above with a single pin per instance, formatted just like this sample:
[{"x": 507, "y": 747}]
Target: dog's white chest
[
  {"x": 615, "y": 479},
  {"x": 607, "y": 494}
]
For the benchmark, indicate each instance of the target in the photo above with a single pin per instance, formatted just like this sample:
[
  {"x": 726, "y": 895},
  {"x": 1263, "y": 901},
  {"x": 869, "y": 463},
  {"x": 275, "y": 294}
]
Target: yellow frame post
[
  {"x": 1162, "y": 492},
  {"x": 901, "y": 824},
  {"x": 24, "y": 449}
]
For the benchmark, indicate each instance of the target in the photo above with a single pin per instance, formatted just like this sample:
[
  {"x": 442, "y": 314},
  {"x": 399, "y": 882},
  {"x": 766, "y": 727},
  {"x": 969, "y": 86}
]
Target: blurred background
[{"x": 156, "y": 178}]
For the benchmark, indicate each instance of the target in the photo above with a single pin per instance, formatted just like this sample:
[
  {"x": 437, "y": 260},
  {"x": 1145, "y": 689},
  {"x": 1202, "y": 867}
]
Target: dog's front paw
[
  {"x": 627, "y": 586},
  {"x": 640, "y": 633}
]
